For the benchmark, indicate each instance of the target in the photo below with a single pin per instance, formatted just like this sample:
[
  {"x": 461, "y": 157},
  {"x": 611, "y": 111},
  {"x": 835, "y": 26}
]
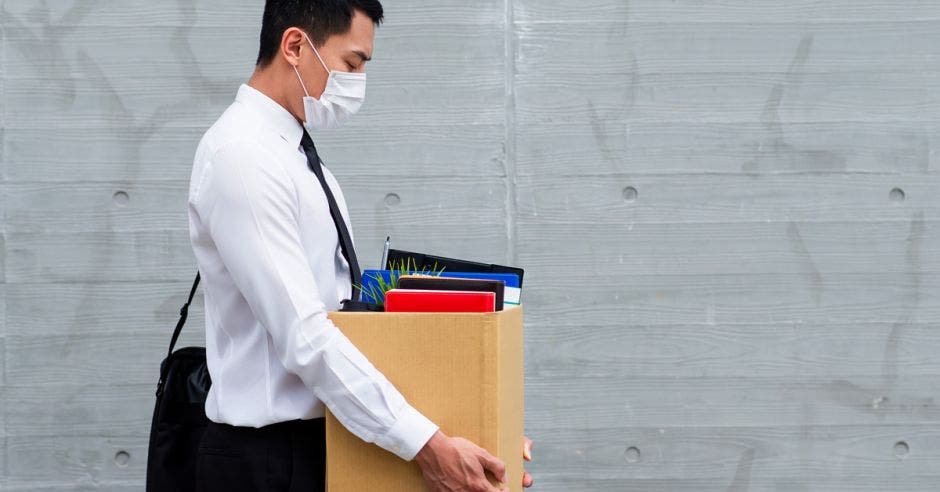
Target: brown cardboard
[{"x": 464, "y": 371}]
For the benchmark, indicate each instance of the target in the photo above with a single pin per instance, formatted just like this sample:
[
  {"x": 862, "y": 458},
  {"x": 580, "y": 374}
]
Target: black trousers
[{"x": 284, "y": 457}]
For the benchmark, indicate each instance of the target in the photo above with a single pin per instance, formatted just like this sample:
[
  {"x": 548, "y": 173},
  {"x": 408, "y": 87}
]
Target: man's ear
[{"x": 292, "y": 42}]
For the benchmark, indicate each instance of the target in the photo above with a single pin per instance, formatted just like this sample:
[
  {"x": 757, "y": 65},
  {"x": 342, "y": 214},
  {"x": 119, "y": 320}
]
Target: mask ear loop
[
  {"x": 328, "y": 71},
  {"x": 301, "y": 79}
]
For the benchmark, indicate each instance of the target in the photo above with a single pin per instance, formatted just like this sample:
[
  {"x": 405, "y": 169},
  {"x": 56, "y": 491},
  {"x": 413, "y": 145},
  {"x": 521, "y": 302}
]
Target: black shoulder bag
[{"x": 179, "y": 416}]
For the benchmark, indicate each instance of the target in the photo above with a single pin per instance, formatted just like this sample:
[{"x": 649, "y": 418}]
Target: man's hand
[
  {"x": 454, "y": 464},
  {"x": 527, "y": 479}
]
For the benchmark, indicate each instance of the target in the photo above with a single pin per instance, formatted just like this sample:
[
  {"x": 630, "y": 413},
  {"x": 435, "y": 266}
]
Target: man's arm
[{"x": 251, "y": 207}]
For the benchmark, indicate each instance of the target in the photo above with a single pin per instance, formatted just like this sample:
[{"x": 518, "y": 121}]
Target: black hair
[{"x": 320, "y": 19}]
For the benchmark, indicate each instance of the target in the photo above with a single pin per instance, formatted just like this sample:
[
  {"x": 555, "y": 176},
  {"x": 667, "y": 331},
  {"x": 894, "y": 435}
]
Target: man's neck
[{"x": 265, "y": 81}]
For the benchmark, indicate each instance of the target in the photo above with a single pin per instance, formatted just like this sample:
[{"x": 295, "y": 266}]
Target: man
[{"x": 269, "y": 228}]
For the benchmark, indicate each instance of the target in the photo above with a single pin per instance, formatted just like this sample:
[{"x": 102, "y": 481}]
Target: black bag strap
[{"x": 184, "y": 314}]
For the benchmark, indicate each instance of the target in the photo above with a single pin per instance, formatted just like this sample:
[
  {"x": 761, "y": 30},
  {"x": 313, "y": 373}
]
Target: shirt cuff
[{"x": 410, "y": 433}]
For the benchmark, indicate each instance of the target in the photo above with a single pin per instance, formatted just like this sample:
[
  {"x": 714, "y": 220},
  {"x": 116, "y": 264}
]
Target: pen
[{"x": 383, "y": 265}]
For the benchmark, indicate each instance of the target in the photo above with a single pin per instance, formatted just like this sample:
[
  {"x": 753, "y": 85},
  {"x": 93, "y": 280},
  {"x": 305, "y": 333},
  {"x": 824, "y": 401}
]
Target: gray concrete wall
[{"x": 728, "y": 212}]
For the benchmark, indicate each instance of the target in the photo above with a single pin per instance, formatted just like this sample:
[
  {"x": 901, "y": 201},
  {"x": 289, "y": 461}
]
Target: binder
[
  {"x": 512, "y": 290},
  {"x": 427, "y": 262},
  {"x": 423, "y": 282},
  {"x": 439, "y": 301}
]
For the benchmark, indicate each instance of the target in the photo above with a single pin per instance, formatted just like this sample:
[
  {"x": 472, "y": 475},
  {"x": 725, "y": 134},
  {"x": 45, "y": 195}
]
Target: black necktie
[{"x": 345, "y": 242}]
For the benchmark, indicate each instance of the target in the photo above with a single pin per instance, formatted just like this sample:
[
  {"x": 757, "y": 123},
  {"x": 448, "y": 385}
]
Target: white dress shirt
[{"x": 272, "y": 268}]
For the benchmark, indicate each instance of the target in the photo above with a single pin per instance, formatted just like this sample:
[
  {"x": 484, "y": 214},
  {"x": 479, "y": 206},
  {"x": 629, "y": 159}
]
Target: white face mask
[{"x": 343, "y": 96}]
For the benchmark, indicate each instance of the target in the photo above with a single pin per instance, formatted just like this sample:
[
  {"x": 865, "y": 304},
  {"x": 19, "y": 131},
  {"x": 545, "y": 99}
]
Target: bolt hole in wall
[
  {"x": 896, "y": 195},
  {"x": 121, "y": 198},
  {"x": 392, "y": 200},
  {"x": 632, "y": 455},
  {"x": 121, "y": 459},
  {"x": 630, "y": 194},
  {"x": 901, "y": 449}
]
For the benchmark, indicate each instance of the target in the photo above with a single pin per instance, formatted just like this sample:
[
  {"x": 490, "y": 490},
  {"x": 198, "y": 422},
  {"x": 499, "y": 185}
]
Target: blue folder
[{"x": 370, "y": 281}]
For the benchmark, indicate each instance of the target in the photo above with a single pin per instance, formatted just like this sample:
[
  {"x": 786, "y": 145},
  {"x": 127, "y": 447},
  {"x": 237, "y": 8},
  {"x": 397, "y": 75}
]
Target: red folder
[{"x": 439, "y": 301}]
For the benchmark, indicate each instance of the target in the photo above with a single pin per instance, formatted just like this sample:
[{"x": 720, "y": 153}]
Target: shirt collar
[{"x": 275, "y": 115}]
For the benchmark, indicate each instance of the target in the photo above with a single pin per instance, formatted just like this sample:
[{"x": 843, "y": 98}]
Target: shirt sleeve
[{"x": 250, "y": 205}]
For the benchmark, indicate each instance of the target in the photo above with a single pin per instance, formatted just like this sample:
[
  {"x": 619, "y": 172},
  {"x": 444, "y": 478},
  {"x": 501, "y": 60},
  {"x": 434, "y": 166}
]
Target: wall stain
[
  {"x": 608, "y": 127},
  {"x": 773, "y": 152},
  {"x": 811, "y": 271},
  {"x": 604, "y": 129},
  {"x": 40, "y": 38},
  {"x": 602, "y": 138},
  {"x": 913, "y": 242},
  {"x": 742, "y": 477}
]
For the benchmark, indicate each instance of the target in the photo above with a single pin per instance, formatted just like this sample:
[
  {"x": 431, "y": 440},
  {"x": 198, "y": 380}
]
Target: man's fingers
[
  {"x": 527, "y": 479},
  {"x": 494, "y": 465}
]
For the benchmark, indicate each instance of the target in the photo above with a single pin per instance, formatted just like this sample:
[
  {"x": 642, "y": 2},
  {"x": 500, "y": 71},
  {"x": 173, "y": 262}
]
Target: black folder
[
  {"x": 424, "y": 282},
  {"x": 428, "y": 262}
]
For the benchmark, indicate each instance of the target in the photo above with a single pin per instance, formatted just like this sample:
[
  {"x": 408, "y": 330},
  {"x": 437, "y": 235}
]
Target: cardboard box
[{"x": 464, "y": 371}]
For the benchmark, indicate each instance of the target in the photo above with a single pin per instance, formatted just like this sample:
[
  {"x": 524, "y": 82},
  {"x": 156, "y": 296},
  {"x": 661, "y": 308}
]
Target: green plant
[{"x": 376, "y": 291}]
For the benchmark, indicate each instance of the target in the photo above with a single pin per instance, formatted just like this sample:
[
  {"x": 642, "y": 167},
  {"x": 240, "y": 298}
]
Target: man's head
[{"x": 342, "y": 31}]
